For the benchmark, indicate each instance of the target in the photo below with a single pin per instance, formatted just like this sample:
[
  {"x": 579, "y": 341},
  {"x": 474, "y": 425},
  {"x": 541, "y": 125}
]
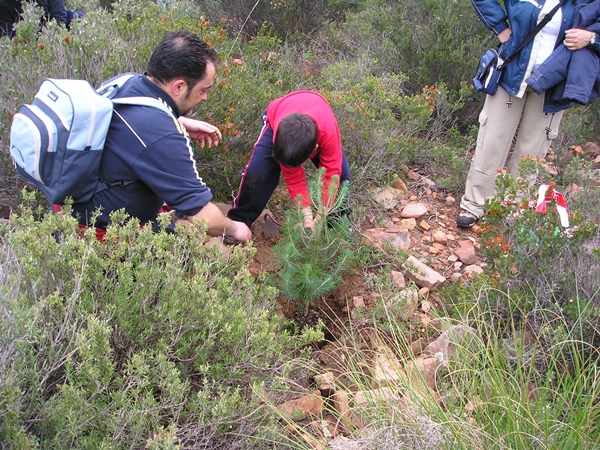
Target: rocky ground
[{"x": 420, "y": 219}]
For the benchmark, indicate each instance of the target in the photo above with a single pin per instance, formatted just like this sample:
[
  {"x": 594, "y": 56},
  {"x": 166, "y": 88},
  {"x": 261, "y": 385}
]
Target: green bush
[{"x": 110, "y": 343}]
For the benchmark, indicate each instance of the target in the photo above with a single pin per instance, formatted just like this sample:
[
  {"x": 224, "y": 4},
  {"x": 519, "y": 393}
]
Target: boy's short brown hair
[{"x": 295, "y": 140}]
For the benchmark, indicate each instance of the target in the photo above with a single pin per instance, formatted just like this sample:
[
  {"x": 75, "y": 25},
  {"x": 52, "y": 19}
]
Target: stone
[
  {"x": 450, "y": 200},
  {"x": 385, "y": 367},
  {"x": 395, "y": 229},
  {"x": 439, "y": 246},
  {"x": 413, "y": 175},
  {"x": 466, "y": 252},
  {"x": 422, "y": 274},
  {"x": 409, "y": 224},
  {"x": 358, "y": 301},
  {"x": 423, "y": 225},
  {"x": 444, "y": 347},
  {"x": 399, "y": 184},
  {"x": 455, "y": 277},
  {"x": 423, "y": 369},
  {"x": 398, "y": 279},
  {"x": 388, "y": 197},
  {"x": 473, "y": 270},
  {"x": 434, "y": 251},
  {"x": 425, "y": 306},
  {"x": 414, "y": 210},
  {"x": 326, "y": 382},
  {"x": 377, "y": 237},
  {"x": 300, "y": 408},
  {"x": 439, "y": 237},
  {"x": 378, "y": 395}
]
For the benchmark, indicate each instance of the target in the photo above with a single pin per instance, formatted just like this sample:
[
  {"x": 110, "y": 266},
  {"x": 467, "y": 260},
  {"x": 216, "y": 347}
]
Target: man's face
[{"x": 190, "y": 98}]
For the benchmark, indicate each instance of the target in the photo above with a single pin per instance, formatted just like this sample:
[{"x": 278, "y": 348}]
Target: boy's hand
[{"x": 309, "y": 221}]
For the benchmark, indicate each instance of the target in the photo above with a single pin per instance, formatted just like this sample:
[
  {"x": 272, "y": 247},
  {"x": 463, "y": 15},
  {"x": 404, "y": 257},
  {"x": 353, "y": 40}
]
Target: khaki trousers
[{"x": 498, "y": 124}]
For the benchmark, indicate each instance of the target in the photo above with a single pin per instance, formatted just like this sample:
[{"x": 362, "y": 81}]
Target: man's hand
[
  {"x": 241, "y": 231},
  {"x": 203, "y": 132}
]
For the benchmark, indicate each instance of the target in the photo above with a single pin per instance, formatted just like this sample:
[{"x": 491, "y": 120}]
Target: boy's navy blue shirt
[{"x": 150, "y": 151}]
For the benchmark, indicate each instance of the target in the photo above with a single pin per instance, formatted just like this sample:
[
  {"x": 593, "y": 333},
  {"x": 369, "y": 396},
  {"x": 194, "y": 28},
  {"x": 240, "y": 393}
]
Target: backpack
[{"x": 56, "y": 142}]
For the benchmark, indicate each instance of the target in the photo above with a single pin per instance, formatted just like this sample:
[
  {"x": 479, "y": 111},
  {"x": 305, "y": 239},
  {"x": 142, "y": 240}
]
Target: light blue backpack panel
[{"x": 56, "y": 142}]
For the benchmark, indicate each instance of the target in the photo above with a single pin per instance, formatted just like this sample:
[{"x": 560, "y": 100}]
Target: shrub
[
  {"x": 112, "y": 343},
  {"x": 545, "y": 267}
]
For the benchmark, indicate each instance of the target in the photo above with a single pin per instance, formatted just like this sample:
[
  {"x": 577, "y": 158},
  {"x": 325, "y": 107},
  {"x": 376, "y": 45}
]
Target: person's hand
[
  {"x": 203, "y": 132},
  {"x": 241, "y": 232},
  {"x": 576, "y": 38},
  {"x": 504, "y": 35}
]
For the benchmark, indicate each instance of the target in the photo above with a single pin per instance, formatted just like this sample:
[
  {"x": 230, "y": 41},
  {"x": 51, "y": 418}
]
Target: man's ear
[{"x": 178, "y": 87}]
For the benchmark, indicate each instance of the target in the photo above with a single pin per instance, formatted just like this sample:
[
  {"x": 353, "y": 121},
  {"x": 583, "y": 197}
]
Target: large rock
[{"x": 414, "y": 210}]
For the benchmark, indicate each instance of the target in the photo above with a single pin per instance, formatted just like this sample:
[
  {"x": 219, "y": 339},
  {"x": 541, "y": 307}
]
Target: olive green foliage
[
  {"x": 146, "y": 337},
  {"x": 286, "y": 18},
  {"x": 430, "y": 42},
  {"x": 312, "y": 263}
]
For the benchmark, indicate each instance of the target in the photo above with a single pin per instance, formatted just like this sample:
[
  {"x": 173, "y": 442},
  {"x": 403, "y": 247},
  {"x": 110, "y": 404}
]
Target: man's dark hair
[
  {"x": 295, "y": 140},
  {"x": 180, "y": 54}
]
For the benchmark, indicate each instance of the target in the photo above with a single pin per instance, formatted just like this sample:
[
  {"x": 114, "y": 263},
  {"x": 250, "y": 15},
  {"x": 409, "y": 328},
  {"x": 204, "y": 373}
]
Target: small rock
[
  {"x": 466, "y": 252},
  {"x": 358, "y": 302},
  {"x": 409, "y": 224},
  {"x": 439, "y": 237},
  {"x": 378, "y": 395},
  {"x": 425, "y": 306},
  {"x": 399, "y": 184},
  {"x": 388, "y": 197},
  {"x": 473, "y": 270},
  {"x": 456, "y": 276},
  {"x": 434, "y": 251},
  {"x": 423, "y": 225},
  {"x": 326, "y": 382},
  {"x": 450, "y": 200},
  {"x": 413, "y": 175},
  {"x": 386, "y": 368},
  {"x": 422, "y": 274},
  {"x": 398, "y": 279}
]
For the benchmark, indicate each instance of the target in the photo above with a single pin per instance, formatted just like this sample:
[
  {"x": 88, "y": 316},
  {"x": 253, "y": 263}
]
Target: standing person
[
  {"x": 516, "y": 110},
  {"x": 148, "y": 157},
  {"x": 296, "y": 127},
  {"x": 11, "y": 10}
]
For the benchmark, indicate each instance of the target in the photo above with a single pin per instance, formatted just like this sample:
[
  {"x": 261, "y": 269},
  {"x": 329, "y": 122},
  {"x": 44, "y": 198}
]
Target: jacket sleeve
[{"x": 492, "y": 14}]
